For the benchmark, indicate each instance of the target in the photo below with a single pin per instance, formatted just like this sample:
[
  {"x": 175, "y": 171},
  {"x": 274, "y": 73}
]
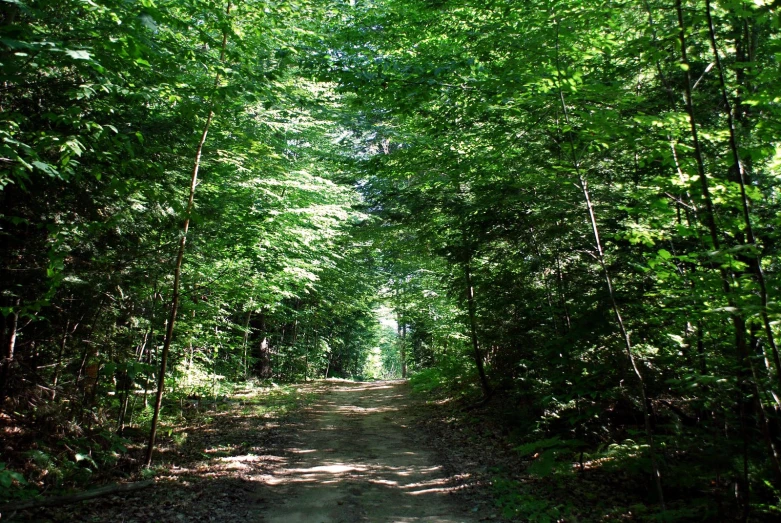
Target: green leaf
[
  {"x": 78, "y": 54},
  {"x": 543, "y": 466},
  {"x": 47, "y": 168},
  {"x": 531, "y": 447}
]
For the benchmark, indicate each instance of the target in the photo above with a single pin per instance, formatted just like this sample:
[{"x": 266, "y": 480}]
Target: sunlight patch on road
[
  {"x": 337, "y": 468},
  {"x": 353, "y": 459},
  {"x": 248, "y": 457},
  {"x": 224, "y": 448},
  {"x": 367, "y": 410},
  {"x": 437, "y": 485}
]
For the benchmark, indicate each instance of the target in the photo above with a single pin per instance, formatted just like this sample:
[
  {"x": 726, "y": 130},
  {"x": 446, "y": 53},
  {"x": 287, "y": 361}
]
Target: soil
[{"x": 354, "y": 458}]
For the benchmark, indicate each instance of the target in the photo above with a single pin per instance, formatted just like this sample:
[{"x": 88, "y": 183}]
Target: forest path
[
  {"x": 328, "y": 451},
  {"x": 353, "y": 458}
]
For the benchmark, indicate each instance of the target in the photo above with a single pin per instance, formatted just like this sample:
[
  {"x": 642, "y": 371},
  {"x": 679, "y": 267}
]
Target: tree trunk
[
  {"x": 63, "y": 342},
  {"x": 739, "y": 323},
  {"x": 8, "y": 358},
  {"x": 263, "y": 364},
  {"x": 244, "y": 342},
  {"x": 478, "y": 356},
  {"x": 179, "y": 258},
  {"x": 66, "y": 499},
  {"x": 403, "y": 351},
  {"x": 742, "y": 180},
  {"x": 583, "y": 185}
]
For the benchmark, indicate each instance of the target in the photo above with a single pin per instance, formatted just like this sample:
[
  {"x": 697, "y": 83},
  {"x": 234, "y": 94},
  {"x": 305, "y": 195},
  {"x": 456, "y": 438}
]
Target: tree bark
[
  {"x": 179, "y": 258},
  {"x": 67, "y": 499},
  {"x": 472, "y": 309},
  {"x": 583, "y": 185},
  {"x": 742, "y": 179},
  {"x": 738, "y": 321},
  {"x": 244, "y": 342},
  {"x": 63, "y": 342},
  {"x": 8, "y": 357},
  {"x": 403, "y": 350}
]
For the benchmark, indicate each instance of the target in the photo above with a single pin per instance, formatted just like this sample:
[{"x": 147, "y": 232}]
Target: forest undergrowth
[
  {"x": 496, "y": 451},
  {"x": 212, "y": 450},
  {"x": 198, "y": 438}
]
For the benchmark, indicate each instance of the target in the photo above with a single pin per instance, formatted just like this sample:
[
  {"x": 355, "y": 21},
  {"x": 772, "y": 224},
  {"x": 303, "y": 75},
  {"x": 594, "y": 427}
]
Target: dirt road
[
  {"x": 353, "y": 459},
  {"x": 350, "y": 456}
]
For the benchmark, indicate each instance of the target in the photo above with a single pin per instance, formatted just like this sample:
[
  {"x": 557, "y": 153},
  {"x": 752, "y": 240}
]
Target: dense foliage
[
  {"x": 111, "y": 112},
  {"x": 570, "y": 205},
  {"x": 592, "y": 190}
]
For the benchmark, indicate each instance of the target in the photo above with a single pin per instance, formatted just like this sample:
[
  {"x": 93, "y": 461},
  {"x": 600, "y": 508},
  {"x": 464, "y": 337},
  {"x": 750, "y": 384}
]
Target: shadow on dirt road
[
  {"x": 351, "y": 455},
  {"x": 352, "y": 458}
]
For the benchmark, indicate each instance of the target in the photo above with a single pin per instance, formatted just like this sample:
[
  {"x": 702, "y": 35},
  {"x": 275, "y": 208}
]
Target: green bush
[{"x": 12, "y": 483}]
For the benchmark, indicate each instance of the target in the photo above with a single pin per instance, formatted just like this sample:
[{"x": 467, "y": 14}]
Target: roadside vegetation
[{"x": 560, "y": 218}]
